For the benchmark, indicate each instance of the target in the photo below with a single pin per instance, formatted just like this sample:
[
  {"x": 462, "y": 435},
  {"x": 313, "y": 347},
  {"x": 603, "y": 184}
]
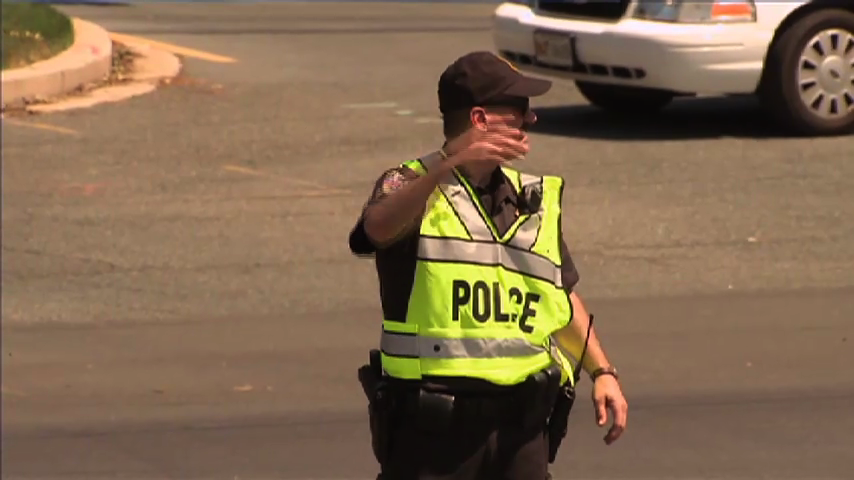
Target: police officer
[{"x": 476, "y": 286}]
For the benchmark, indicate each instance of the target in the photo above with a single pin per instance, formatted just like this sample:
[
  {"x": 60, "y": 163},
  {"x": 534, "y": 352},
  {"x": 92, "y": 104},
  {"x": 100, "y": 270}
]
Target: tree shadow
[{"x": 684, "y": 119}]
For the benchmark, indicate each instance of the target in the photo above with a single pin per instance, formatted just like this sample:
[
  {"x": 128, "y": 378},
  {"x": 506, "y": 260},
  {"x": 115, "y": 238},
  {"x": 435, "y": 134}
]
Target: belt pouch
[{"x": 435, "y": 411}]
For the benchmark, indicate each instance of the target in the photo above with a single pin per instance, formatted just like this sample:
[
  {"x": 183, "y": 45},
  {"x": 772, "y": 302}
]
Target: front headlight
[{"x": 696, "y": 11}]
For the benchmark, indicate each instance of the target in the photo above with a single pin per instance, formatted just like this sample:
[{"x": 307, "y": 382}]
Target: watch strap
[{"x": 608, "y": 370}]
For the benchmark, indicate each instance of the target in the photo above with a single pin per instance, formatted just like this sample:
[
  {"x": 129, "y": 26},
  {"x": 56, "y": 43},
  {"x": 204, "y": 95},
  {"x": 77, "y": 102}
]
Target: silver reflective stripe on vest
[
  {"x": 410, "y": 345},
  {"x": 471, "y": 217},
  {"x": 466, "y": 210},
  {"x": 527, "y": 179},
  {"x": 460, "y": 202},
  {"x": 489, "y": 254},
  {"x": 526, "y": 236}
]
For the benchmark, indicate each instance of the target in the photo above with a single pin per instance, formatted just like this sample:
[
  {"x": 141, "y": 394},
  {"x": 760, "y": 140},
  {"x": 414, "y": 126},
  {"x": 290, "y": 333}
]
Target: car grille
[{"x": 607, "y": 9}]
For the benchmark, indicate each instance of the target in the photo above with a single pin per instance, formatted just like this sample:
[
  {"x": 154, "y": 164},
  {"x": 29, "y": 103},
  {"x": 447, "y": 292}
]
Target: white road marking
[
  {"x": 403, "y": 112},
  {"x": 428, "y": 120},
  {"x": 371, "y": 105}
]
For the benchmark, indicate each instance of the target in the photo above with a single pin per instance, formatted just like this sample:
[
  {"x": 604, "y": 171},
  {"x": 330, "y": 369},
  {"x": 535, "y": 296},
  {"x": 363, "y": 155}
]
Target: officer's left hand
[{"x": 607, "y": 395}]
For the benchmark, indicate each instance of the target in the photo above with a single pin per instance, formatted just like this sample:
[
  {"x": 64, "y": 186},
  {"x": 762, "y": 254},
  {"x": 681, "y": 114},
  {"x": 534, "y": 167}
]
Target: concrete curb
[
  {"x": 88, "y": 59},
  {"x": 151, "y": 68}
]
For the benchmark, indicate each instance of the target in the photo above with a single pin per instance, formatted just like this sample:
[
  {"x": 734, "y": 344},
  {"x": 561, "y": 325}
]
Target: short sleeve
[
  {"x": 391, "y": 180},
  {"x": 569, "y": 274}
]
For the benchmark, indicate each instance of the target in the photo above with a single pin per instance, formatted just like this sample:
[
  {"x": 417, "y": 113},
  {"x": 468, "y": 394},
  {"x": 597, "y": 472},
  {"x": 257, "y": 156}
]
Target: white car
[{"x": 637, "y": 55}]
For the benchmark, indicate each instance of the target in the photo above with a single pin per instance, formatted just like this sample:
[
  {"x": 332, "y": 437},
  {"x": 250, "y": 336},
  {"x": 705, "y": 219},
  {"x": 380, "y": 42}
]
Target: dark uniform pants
[{"x": 478, "y": 443}]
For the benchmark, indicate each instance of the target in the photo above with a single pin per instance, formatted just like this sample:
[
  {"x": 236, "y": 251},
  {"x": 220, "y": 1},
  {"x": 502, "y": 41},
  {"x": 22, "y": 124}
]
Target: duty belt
[
  {"x": 531, "y": 402},
  {"x": 414, "y": 402}
]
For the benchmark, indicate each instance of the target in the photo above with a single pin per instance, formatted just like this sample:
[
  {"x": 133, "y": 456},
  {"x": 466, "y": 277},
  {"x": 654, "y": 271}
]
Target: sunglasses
[{"x": 521, "y": 105}]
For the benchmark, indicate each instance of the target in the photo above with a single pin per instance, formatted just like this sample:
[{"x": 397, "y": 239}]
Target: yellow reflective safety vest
[{"x": 482, "y": 305}]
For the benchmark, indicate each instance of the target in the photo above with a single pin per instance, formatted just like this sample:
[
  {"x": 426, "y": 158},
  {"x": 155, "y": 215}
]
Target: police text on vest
[{"x": 485, "y": 302}]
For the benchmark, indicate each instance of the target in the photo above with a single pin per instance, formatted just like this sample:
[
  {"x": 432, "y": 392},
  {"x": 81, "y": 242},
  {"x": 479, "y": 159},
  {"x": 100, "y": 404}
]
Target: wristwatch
[{"x": 607, "y": 370}]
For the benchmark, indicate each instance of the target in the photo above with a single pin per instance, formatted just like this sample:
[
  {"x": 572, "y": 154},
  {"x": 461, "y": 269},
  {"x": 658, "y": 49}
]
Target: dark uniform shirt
[{"x": 395, "y": 263}]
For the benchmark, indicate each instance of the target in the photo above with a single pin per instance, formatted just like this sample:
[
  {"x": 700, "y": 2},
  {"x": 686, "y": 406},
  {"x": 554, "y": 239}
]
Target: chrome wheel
[{"x": 826, "y": 74}]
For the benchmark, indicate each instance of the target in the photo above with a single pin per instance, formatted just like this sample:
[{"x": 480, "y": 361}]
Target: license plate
[{"x": 553, "y": 48}]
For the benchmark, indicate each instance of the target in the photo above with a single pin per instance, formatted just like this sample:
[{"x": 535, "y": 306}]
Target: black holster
[
  {"x": 540, "y": 391},
  {"x": 559, "y": 418},
  {"x": 379, "y": 405}
]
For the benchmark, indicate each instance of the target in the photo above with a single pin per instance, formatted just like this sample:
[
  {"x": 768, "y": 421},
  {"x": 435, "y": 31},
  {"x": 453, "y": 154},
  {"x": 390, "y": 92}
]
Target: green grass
[{"x": 33, "y": 32}]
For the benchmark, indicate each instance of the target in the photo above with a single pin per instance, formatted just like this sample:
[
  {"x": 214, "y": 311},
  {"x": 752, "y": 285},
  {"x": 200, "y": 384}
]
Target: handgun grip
[{"x": 376, "y": 362}]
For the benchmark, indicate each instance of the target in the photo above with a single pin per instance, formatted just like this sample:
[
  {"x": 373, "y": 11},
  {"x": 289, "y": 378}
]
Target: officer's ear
[{"x": 477, "y": 116}]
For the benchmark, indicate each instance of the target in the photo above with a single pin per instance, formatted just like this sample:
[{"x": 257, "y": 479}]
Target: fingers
[
  {"x": 616, "y": 429},
  {"x": 462, "y": 142},
  {"x": 619, "y": 410},
  {"x": 494, "y": 147},
  {"x": 505, "y": 134},
  {"x": 601, "y": 411},
  {"x": 510, "y": 146},
  {"x": 504, "y": 155}
]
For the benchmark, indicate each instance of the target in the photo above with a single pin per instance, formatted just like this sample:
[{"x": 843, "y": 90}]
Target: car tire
[
  {"x": 626, "y": 100},
  {"x": 785, "y": 69}
]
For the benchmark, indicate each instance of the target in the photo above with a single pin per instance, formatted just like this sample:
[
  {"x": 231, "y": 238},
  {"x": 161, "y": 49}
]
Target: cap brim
[{"x": 529, "y": 87}]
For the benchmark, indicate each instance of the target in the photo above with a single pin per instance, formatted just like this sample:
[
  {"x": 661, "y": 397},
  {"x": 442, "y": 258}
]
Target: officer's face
[{"x": 516, "y": 115}]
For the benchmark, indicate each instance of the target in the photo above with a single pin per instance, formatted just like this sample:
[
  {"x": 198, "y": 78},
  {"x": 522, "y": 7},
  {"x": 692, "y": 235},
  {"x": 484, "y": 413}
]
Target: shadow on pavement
[{"x": 684, "y": 119}]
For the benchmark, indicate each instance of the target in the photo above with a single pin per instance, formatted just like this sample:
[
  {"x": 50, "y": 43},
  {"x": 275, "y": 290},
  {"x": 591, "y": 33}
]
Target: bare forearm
[
  {"x": 386, "y": 219},
  {"x": 571, "y": 337}
]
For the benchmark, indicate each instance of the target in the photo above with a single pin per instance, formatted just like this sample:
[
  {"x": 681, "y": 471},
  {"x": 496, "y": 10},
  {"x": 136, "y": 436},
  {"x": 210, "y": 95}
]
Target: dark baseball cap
[{"x": 483, "y": 78}]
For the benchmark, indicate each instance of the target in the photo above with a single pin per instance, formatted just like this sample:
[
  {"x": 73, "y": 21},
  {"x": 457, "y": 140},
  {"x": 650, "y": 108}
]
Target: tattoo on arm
[{"x": 391, "y": 181}]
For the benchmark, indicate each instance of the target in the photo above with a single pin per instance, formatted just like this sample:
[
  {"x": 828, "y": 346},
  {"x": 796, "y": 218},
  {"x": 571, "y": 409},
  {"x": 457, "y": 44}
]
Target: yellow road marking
[
  {"x": 9, "y": 391},
  {"x": 170, "y": 47},
  {"x": 85, "y": 189},
  {"x": 322, "y": 189},
  {"x": 41, "y": 126},
  {"x": 239, "y": 169}
]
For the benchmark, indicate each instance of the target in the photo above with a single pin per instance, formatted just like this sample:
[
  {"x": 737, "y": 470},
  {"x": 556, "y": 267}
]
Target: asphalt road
[{"x": 179, "y": 301}]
